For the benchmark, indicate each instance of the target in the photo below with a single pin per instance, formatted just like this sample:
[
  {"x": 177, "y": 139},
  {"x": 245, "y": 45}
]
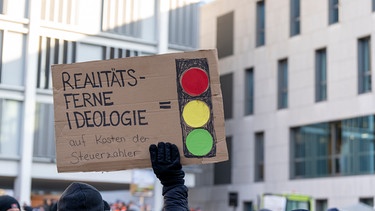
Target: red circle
[{"x": 194, "y": 81}]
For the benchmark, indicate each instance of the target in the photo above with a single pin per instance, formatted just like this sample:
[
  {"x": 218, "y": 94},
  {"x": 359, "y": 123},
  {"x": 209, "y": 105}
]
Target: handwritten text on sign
[{"x": 107, "y": 113}]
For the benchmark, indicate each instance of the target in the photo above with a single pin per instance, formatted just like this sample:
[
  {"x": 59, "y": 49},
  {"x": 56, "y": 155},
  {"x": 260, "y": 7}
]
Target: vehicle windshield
[{"x": 291, "y": 205}]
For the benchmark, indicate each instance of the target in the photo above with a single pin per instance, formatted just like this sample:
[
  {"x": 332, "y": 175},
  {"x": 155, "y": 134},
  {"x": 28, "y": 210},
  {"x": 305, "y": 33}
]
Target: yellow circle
[{"x": 196, "y": 113}]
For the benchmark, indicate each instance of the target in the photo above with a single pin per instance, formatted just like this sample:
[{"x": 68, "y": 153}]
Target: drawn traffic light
[{"x": 195, "y": 106}]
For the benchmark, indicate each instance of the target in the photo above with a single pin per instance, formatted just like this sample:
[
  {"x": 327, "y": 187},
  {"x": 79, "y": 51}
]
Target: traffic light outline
[{"x": 182, "y": 65}]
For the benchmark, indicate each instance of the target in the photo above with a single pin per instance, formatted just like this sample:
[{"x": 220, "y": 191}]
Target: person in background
[
  {"x": 165, "y": 161},
  {"x": 80, "y": 196},
  {"x": 8, "y": 203},
  {"x": 133, "y": 207}
]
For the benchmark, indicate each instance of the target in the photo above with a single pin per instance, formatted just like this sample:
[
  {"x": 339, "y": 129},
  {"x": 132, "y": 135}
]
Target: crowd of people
[
  {"x": 131, "y": 206},
  {"x": 78, "y": 196},
  {"x": 165, "y": 160},
  {"x": 49, "y": 204}
]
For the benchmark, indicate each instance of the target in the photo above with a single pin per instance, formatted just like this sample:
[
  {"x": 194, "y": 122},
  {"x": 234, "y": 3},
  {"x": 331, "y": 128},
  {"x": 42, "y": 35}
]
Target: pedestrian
[
  {"x": 133, "y": 207},
  {"x": 81, "y": 197},
  {"x": 165, "y": 160},
  {"x": 9, "y": 203}
]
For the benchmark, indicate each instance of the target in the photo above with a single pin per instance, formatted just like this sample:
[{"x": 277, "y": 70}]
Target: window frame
[
  {"x": 223, "y": 170},
  {"x": 295, "y": 17},
  {"x": 321, "y": 75},
  {"x": 249, "y": 91},
  {"x": 260, "y": 30},
  {"x": 364, "y": 65},
  {"x": 333, "y": 11},
  {"x": 259, "y": 155},
  {"x": 282, "y": 84},
  {"x": 335, "y": 148}
]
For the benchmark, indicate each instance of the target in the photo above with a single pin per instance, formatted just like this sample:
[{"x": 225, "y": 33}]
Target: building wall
[
  {"x": 35, "y": 34},
  {"x": 356, "y": 20}
]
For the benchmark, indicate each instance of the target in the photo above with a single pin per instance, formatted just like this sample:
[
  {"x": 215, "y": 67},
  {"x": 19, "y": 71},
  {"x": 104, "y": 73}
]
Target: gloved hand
[{"x": 165, "y": 160}]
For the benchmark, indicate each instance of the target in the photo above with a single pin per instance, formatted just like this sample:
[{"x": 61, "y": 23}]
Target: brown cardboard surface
[{"x": 108, "y": 113}]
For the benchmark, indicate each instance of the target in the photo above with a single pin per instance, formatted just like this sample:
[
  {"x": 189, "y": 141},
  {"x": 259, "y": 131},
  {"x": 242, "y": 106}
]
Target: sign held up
[{"x": 108, "y": 113}]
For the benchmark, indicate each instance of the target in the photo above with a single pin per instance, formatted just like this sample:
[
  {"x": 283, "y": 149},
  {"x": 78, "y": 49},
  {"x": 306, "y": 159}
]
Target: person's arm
[{"x": 165, "y": 160}]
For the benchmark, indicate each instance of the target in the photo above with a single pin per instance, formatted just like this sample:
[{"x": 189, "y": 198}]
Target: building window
[
  {"x": 333, "y": 12},
  {"x": 248, "y": 206},
  {"x": 224, "y": 35},
  {"x": 259, "y": 157},
  {"x": 295, "y": 17},
  {"x": 223, "y": 170},
  {"x": 1, "y": 6},
  {"x": 260, "y": 23},
  {"x": 282, "y": 79},
  {"x": 114, "y": 53},
  {"x": 44, "y": 135},
  {"x": 345, "y": 147},
  {"x": 321, "y": 204},
  {"x": 13, "y": 47},
  {"x": 227, "y": 92},
  {"x": 15, "y": 9},
  {"x": 367, "y": 200},
  {"x": 249, "y": 91},
  {"x": 53, "y": 51},
  {"x": 10, "y": 127},
  {"x": 65, "y": 12},
  {"x": 124, "y": 17},
  {"x": 364, "y": 65},
  {"x": 320, "y": 75},
  {"x": 1, "y": 52},
  {"x": 183, "y": 24},
  {"x": 373, "y": 5}
]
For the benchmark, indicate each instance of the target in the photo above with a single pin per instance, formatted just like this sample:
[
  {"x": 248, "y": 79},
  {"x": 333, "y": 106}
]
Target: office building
[
  {"x": 34, "y": 34},
  {"x": 298, "y": 98}
]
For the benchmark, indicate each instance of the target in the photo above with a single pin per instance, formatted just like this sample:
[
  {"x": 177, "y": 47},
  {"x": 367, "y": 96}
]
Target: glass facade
[
  {"x": 345, "y": 147},
  {"x": 10, "y": 127},
  {"x": 13, "y": 58},
  {"x": 44, "y": 133},
  {"x": 65, "y": 12},
  {"x": 183, "y": 24},
  {"x": 53, "y": 51}
]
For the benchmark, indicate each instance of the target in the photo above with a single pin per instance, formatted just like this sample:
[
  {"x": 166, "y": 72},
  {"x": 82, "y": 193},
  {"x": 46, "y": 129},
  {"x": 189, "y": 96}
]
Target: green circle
[{"x": 199, "y": 142}]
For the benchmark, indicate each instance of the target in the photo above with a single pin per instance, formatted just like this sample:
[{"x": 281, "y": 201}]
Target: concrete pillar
[
  {"x": 23, "y": 180},
  {"x": 163, "y": 25}
]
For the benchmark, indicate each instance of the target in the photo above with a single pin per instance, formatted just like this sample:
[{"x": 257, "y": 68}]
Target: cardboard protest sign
[{"x": 108, "y": 113}]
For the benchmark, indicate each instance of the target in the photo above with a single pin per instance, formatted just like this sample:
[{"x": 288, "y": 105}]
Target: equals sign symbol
[{"x": 165, "y": 105}]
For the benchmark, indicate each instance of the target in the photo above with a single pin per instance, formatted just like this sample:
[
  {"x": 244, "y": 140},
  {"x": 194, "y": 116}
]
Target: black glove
[{"x": 165, "y": 160}]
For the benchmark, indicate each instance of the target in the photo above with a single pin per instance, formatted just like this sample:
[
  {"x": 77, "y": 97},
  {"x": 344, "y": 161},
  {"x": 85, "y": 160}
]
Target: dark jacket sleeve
[{"x": 175, "y": 198}]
